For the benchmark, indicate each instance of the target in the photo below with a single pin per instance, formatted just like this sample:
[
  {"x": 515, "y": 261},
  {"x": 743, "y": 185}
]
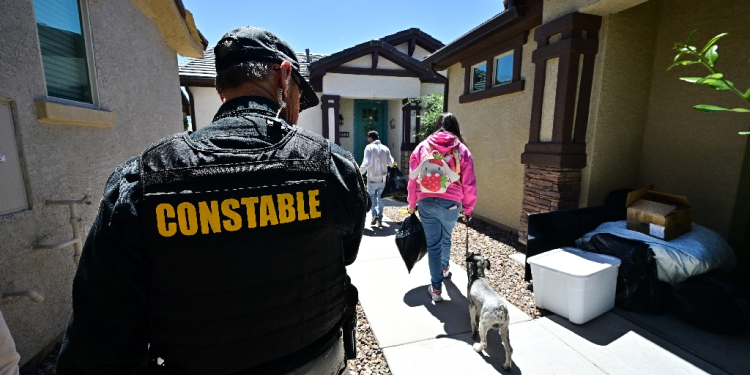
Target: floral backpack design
[{"x": 434, "y": 175}]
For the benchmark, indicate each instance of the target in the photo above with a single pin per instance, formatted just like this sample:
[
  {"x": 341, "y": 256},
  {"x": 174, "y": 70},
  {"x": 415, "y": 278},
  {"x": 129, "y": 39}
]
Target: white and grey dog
[{"x": 486, "y": 308}]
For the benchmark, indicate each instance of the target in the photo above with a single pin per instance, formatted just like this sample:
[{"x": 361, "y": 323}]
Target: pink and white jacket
[{"x": 465, "y": 191}]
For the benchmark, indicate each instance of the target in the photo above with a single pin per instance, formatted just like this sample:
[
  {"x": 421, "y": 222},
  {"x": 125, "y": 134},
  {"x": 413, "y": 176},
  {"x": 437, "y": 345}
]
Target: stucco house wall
[
  {"x": 687, "y": 152},
  {"x": 496, "y": 130},
  {"x": 137, "y": 81},
  {"x": 619, "y": 102},
  {"x": 642, "y": 127},
  {"x": 206, "y": 102}
]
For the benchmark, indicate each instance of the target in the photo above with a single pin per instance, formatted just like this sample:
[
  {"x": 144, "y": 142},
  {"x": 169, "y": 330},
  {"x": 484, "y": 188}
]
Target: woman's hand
[{"x": 411, "y": 210}]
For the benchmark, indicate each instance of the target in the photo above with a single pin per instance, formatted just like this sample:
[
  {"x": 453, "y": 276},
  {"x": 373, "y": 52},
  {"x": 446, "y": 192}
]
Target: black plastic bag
[
  {"x": 638, "y": 287},
  {"x": 715, "y": 301},
  {"x": 411, "y": 241},
  {"x": 395, "y": 183}
]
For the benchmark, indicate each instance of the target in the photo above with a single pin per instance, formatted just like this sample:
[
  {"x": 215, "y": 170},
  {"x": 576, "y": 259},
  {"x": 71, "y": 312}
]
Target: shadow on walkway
[{"x": 454, "y": 314}]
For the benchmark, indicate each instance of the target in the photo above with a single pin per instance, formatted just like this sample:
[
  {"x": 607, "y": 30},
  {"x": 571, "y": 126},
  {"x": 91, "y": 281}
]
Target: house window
[
  {"x": 478, "y": 77},
  {"x": 494, "y": 72},
  {"x": 63, "y": 43},
  {"x": 503, "y": 68}
]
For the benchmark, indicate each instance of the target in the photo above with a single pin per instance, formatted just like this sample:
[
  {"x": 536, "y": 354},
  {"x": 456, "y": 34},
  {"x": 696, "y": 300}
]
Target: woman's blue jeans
[{"x": 438, "y": 218}]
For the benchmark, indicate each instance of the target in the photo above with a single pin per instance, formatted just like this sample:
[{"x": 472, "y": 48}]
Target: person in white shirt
[{"x": 376, "y": 162}]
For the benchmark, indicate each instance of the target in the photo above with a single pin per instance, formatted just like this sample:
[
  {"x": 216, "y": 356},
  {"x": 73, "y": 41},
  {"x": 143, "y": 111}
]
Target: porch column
[
  {"x": 556, "y": 152},
  {"x": 330, "y": 105},
  {"x": 410, "y": 126}
]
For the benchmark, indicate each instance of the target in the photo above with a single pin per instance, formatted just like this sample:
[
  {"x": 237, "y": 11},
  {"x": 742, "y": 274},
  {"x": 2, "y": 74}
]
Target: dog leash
[{"x": 466, "y": 223}]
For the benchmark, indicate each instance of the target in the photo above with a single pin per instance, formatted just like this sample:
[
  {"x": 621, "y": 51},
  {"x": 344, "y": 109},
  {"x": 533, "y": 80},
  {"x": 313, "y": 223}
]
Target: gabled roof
[
  {"x": 201, "y": 72},
  {"x": 421, "y": 38},
  {"x": 379, "y": 47}
]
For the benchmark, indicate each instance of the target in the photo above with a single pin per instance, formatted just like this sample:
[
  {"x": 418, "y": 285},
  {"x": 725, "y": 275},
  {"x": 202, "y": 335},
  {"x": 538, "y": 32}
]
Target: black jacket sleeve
[
  {"x": 350, "y": 200},
  {"x": 108, "y": 329}
]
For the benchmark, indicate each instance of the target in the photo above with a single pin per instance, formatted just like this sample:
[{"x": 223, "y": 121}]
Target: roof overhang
[
  {"x": 517, "y": 19},
  {"x": 176, "y": 25},
  {"x": 376, "y": 48}
]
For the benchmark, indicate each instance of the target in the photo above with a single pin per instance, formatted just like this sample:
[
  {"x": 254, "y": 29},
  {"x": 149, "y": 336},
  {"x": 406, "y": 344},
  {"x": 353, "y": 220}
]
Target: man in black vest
[{"x": 223, "y": 251}]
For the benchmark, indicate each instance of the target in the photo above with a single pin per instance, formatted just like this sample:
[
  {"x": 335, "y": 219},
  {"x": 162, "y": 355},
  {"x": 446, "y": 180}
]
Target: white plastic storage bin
[{"x": 574, "y": 284}]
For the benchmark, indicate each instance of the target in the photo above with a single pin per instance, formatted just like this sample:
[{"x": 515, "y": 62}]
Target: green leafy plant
[
  {"x": 432, "y": 107},
  {"x": 708, "y": 56}
]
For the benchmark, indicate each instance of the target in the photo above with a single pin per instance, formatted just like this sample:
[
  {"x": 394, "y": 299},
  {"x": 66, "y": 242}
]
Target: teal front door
[{"x": 369, "y": 115}]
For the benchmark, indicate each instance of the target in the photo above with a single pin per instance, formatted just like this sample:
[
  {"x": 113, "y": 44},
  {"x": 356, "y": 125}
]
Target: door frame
[{"x": 383, "y": 135}]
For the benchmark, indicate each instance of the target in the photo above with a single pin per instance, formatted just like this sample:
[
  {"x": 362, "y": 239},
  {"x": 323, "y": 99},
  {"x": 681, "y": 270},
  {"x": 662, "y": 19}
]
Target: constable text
[{"x": 214, "y": 216}]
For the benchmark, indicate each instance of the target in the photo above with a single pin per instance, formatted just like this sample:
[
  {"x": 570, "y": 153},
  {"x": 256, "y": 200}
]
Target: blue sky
[{"x": 327, "y": 27}]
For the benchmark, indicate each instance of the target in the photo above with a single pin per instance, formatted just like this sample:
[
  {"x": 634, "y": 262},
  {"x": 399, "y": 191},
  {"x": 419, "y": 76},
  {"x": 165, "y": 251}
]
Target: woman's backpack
[{"x": 434, "y": 175}]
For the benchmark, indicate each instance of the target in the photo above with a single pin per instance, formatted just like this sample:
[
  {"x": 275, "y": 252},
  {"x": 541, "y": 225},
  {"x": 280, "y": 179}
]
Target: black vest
[{"x": 247, "y": 264}]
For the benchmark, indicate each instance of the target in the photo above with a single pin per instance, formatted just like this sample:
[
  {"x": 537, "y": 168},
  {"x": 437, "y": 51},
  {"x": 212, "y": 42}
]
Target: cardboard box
[{"x": 661, "y": 215}]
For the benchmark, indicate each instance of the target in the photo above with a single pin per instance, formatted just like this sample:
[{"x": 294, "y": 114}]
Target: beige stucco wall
[
  {"x": 137, "y": 80},
  {"x": 370, "y": 87},
  {"x": 555, "y": 8},
  {"x": 347, "y": 110},
  {"x": 496, "y": 131},
  {"x": 206, "y": 102},
  {"x": 643, "y": 129},
  {"x": 687, "y": 152},
  {"x": 619, "y": 102},
  {"x": 312, "y": 118},
  {"x": 395, "y": 114}
]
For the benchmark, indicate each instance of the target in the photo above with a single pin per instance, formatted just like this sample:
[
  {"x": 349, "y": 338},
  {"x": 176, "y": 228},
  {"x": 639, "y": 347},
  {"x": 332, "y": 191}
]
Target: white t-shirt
[{"x": 376, "y": 162}]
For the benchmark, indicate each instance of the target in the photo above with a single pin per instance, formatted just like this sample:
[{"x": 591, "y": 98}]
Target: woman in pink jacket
[{"x": 439, "y": 211}]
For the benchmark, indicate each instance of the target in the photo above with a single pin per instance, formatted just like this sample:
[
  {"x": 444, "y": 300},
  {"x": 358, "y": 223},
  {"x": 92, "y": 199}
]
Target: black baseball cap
[{"x": 256, "y": 44}]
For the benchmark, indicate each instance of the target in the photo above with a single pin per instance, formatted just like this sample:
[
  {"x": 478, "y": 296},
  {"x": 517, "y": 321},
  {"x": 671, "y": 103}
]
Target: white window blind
[{"x": 63, "y": 46}]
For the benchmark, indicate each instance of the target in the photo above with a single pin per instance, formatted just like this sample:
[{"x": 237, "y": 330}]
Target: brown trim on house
[
  {"x": 565, "y": 98},
  {"x": 412, "y": 46},
  {"x": 196, "y": 81},
  {"x": 409, "y": 105},
  {"x": 517, "y": 54},
  {"x": 508, "y": 45},
  {"x": 572, "y": 100},
  {"x": 375, "y": 59},
  {"x": 327, "y": 102},
  {"x": 584, "y": 101},
  {"x": 418, "y": 40},
  {"x": 193, "y": 125},
  {"x": 504, "y": 26},
  {"x": 505, "y": 89},
  {"x": 570, "y": 23},
  {"x": 517, "y": 84},
  {"x": 318, "y": 69},
  {"x": 373, "y": 72},
  {"x": 565, "y": 46}
]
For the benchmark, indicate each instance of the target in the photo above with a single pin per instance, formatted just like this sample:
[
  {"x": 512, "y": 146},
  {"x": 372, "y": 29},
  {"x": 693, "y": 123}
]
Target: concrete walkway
[{"x": 419, "y": 336}]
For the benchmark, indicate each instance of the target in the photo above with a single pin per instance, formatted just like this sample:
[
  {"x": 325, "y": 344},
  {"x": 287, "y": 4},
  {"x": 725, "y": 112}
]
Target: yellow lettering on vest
[
  {"x": 312, "y": 195},
  {"x": 267, "y": 211},
  {"x": 250, "y": 203},
  {"x": 286, "y": 208},
  {"x": 209, "y": 217},
  {"x": 164, "y": 211},
  {"x": 301, "y": 215},
  {"x": 234, "y": 221},
  {"x": 187, "y": 219}
]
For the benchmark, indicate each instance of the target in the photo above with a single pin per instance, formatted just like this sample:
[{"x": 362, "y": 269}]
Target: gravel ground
[
  {"x": 496, "y": 244},
  {"x": 370, "y": 359}
]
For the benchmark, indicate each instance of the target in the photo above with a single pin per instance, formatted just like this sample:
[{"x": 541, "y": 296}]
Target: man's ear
[
  {"x": 285, "y": 75},
  {"x": 486, "y": 264}
]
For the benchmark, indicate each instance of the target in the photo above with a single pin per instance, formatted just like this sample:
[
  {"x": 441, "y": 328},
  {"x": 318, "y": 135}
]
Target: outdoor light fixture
[{"x": 341, "y": 120}]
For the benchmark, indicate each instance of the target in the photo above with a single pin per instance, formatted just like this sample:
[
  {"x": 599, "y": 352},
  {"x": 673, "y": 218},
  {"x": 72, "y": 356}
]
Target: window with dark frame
[
  {"x": 62, "y": 41},
  {"x": 503, "y": 68},
  {"x": 494, "y": 72},
  {"x": 478, "y": 77}
]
